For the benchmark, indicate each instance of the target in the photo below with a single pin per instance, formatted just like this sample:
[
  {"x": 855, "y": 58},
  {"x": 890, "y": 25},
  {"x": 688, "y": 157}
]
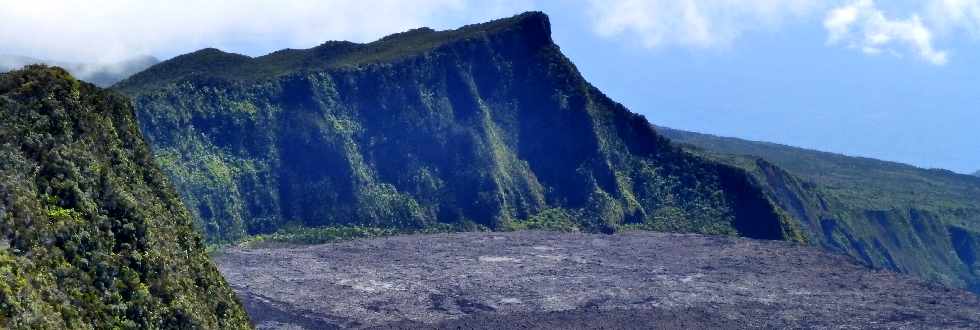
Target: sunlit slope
[{"x": 92, "y": 236}]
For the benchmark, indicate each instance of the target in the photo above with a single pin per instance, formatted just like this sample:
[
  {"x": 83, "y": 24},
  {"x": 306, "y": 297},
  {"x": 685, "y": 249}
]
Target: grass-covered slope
[
  {"x": 91, "y": 233},
  {"x": 484, "y": 127},
  {"x": 870, "y": 182},
  {"x": 890, "y": 215}
]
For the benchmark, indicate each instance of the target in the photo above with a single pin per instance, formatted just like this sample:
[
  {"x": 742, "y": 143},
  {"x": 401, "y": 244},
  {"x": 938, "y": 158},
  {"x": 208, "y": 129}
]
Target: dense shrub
[{"x": 92, "y": 234}]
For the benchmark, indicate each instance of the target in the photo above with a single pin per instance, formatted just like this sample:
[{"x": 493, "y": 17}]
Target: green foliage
[
  {"x": 215, "y": 65},
  {"x": 319, "y": 235},
  {"x": 93, "y": 236},
  {"x": 487, "y": 126},
  {"x": 861, "y": 182},
  {"x": 297, "y": 234},
  {"x": 554, "y": 219},
  {"x": 888, "y": 215},
  {"x": 100, "y": 74}
]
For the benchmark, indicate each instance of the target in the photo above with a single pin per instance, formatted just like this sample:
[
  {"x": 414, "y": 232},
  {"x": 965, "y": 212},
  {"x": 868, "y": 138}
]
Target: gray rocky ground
[{"x": 543, "y": 280}]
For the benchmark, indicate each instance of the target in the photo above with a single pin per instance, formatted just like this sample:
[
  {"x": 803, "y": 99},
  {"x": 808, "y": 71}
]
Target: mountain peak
[
  {"x": 532, "y": 21},
  {"x": 15, "y": 83},
  {"x": 530, "y": 29},
  {"x": 101, "y": 74},
  {"x": 533, "y": 25}
]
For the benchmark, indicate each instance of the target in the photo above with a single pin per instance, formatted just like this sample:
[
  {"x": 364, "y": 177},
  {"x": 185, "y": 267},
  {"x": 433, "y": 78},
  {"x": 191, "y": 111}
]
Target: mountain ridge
[
  {"x": 332, "y": 54},
  {"x": 889, "y": 215},
  {"x": 814, "y": 164},
  {"x": 436, "y": 134},
  {"x": 499, "y": 131},
  {"x": 100, "y": 74}
]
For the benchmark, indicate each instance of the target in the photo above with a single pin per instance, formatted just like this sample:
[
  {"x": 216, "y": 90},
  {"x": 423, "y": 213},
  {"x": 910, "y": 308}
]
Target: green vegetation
[
  {"x": 889, "y": 215},
  {"x": 293, "y": 234},
  {"x": 484, "y": 127},
  {"x": 865, "y": 182},
  {"x": 215, "y": 65},
  {"x": 91, "y": 234},
  {"x": 320, "y": 235},
  {"x": 555, "y": 219},
  {"x": 491, "y": 127},
  {"x": 100, "y": 74}
]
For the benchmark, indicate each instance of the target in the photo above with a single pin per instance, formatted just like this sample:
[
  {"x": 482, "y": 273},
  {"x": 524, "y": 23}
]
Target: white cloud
[
  {"x": 695, "y": 23},
  {"x": 949, "y": 16},
  {"x": 110, "y": 30},
  {"x": 858, "y": 24},
  {"x": 861, "y": 25}
]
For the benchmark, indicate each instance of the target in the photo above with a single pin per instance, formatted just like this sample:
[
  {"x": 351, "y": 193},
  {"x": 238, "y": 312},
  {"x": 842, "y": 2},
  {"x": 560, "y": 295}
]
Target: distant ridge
[
  {"x": 99, "y": 74},
  {"x": 902, "y": 181},
  {"x": 890, "y": 215}
]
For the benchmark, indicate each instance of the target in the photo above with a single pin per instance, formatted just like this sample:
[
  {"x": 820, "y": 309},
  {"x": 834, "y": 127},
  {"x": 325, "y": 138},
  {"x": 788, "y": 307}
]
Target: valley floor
[{"x": 533, "y": 280}]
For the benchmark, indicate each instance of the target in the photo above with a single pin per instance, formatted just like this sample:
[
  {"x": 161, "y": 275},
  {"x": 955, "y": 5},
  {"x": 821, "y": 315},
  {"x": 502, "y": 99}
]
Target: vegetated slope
[
  {"x": 548, "y": 280},
  {"x": 100, "y": 74},
  {"x": 91, "y": 233},
  {"x": 890, "y": 215},
  {"x": 484, "y": 127}
]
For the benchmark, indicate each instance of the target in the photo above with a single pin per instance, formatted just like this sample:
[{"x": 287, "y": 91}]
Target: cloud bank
[
  {"x": 863, "y": 26},
  {"x": 951, "y": 16},
  {"x": 696, "y": 23},
  {"x": 856, "y": 24},
  {"x": 108, "y": 31},
  {"x": 114, "y": 30}
]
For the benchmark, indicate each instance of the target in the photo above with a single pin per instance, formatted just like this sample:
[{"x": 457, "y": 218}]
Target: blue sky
[{"x": 895, "y": 80}]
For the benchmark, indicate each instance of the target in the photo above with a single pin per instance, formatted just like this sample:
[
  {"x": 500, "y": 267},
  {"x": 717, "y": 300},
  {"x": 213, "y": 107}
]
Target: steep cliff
[
  {"x": 91, "y": 233},
  {"x": 888, "y": 215},
  {"x": 484, "y": 127}
]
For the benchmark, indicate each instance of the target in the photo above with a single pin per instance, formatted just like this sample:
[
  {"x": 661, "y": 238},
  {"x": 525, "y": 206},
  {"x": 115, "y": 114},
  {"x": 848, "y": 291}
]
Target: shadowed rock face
[
  {"x": 553, "y": 280},
  {"x": 888, "y": 215},
  {"x": 484, "y": 127}
]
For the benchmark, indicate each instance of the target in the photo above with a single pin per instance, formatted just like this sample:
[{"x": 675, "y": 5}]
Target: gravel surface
[{"x": 545, "y": 280}]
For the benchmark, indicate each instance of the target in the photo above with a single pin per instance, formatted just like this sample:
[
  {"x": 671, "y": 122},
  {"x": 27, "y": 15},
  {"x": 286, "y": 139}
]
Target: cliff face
[
  {"x": 887, "y": 215},
  {"x": 485, "y": 127},
  {"x": 91, "y": 233}
]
